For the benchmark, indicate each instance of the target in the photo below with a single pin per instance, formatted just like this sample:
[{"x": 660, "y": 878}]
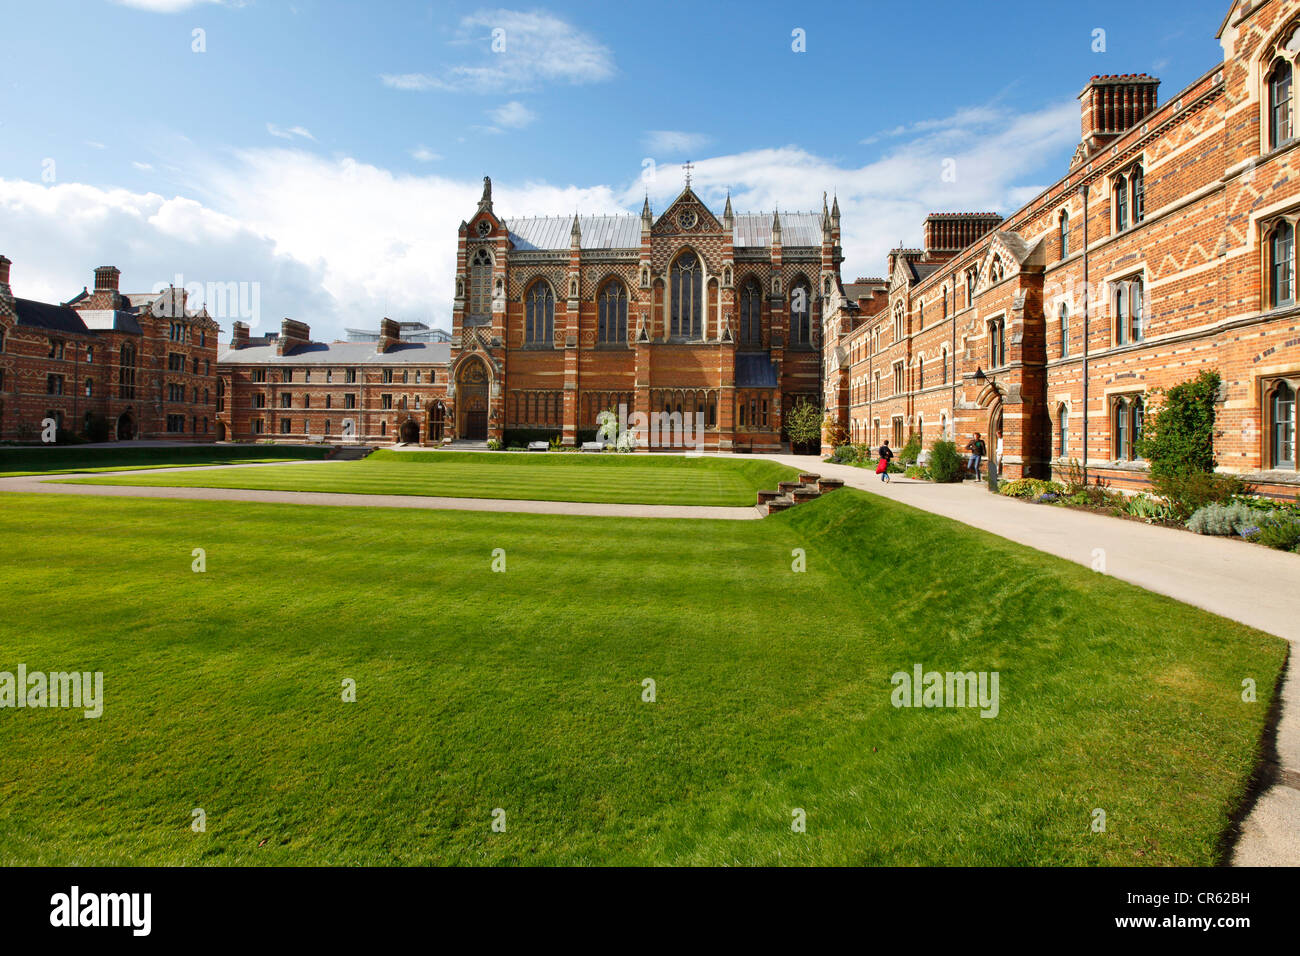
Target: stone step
[
  {"x": 829, "y": 484},
  {"x": 804, "y": 493},
  {"x": 808, "y": 478},
  {"x": 765, "y": 496},
  {"x": 779, "y": 504},
  {"x": 788, "y": 486}
]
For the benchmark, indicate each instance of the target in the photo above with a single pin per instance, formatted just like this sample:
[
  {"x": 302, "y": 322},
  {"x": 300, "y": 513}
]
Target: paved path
[
  {"x": 1248, "y": 583},
  {"x": 50, "y": 485}
]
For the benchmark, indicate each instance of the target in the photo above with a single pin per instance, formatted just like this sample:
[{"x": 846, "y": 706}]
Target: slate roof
[
  {"x": 110, "y": 320},
  {"x": 754, "y": 229},
  {"x": 751, "y": 230},
  {"x": 42, "y": 315},
  {"x": 553, "y": 232},
  {"x": 755, "y": 370},
  {"x": 341, "y": 353}
]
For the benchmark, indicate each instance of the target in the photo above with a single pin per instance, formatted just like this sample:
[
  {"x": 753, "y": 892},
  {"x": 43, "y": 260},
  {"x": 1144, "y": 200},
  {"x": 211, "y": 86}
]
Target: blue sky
[{"x": 327, "y": 151}]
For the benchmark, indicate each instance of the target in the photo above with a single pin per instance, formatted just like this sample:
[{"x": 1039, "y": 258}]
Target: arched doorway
[
  {"x": 472, "y": 400},
  {"x": 221, "y": 431},
  {"x": 125, "y": 427},
  {"x": 437, "y": 422},
  {"x": 409, "y": 432},
  {"x": 995, "y": 426}
]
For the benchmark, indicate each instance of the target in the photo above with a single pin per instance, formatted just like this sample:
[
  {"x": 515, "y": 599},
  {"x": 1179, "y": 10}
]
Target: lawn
[
  {"x": 635, "y": 479},
  {"x": 522, "y": 690},
  {"x": 27, "y": 460}
]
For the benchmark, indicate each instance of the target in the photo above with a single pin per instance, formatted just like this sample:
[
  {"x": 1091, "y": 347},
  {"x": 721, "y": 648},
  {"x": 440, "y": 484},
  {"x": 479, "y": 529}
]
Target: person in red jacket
[{"x": 886, "y": 456}]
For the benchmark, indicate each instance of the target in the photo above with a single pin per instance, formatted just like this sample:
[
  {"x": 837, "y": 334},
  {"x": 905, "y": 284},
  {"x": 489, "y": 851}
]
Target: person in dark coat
[{"x": 886, "y": 457}]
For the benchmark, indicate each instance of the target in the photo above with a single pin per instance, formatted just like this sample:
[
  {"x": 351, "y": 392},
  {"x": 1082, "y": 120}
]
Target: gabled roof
[{"x": 42, "y": 315}]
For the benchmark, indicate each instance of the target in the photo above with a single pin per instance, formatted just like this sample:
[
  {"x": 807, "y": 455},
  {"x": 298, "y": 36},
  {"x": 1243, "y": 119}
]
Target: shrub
[
  {"x": 1178, "y": 434},
  {"x": 1030, "y": 488},
  {"x": 834, "y": 432},
  {"x": 1220, "y": 519},
  {"x": 1187, "y": 491},
  {"x": 494, "y": 444},
  {"x": 845, "y": 454},
  {"x": 919, "y": 472},
  {"x": 912, "y": 450},
  {"x": 1279, "y": 530},
  {"x": 946, "y": 464},
  {"x": 1148, "y": 508}
]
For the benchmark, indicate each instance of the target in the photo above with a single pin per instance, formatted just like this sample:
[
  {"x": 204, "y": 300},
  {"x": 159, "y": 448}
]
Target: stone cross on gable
[{"x": 688, "y": 166}]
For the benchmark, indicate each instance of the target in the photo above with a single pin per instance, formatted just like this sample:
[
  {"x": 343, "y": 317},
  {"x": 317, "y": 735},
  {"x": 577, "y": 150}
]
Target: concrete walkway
[
  {"x": 1245, "y": 582},
  {"x": 51, "y": 485}
]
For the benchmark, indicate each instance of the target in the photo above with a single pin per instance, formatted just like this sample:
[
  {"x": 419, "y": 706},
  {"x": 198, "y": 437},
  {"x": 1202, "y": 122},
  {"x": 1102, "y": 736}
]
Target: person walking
[
  {"x": 975, "y": 451},
  {"x": 886, "y": 457},
  {"x": 998, "y": 455}
]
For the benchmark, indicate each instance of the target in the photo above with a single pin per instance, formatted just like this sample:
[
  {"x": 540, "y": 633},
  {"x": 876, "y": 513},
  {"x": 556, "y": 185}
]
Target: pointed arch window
[
  {"x": 1121, "y": 203},
  {"x": 1281, "y": 270},
  {"x": 1129, "y": 307},
  {"x": 1065, "y": 330},
  {"x": 1279, "y": 104},
  {"x": 1129, "y": 418},
  {"x": 1063, "y": 433},
  {"x": 1065, "y": 233},
  {"x": 800, "y": 314},
  {"x": 1281, "y": 407},
  {"x": 612, "y": 313},
  {"x": 751, "y": 313},
  {"x": 688, "y": 296},
  {"x": 480, "y": 283},
  {"x": 539, "y": 315},
  {"x": 1138, "y": 183}
]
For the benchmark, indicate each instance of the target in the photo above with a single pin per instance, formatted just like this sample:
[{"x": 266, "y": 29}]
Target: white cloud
[
  {"x": 424, "y": 154},
  {"x": 674, "y": 142},
  {"x": 336, "y": 242},
  {"x": 513, "y": 115},
  {"x": 143, "y": 167},
  {"x": 513, "y": 51},
  {"x": 291, "y": 133}
]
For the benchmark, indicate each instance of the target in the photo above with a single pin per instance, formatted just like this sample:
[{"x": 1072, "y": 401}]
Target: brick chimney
[
  {"x": 106, "y": 278},
  {"x": 292, "y": 334},
  {"x": 4, "y": 277},
  {"x": 1111, "y": 105},
  {"x": 238, "y": 335},
  {"x": 390, "y": 334},
  {"x": 948, "y": 233}
]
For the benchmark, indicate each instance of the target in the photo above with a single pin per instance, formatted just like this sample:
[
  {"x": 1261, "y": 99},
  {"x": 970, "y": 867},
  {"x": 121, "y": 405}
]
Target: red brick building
[
  {"x": 142, "y": 361},
  {"x": 1170, "y": 240},
  {"x": 557, "y": 319},
  {"x": 284, "y": 387}
]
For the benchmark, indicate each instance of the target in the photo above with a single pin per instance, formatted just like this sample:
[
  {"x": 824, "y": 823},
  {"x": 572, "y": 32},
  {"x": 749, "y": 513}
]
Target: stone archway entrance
[
  {"x": 991, "y": 440},
  {"x": 221, "y": 431},
  {"x": 472, "y": 401},
  {"x": 125, "y": 427},
  {"x": 409, "y": 432}
]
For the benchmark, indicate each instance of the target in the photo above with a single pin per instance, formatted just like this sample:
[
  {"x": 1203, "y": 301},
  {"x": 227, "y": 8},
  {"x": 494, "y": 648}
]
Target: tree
[{"x": 803, "y": 423}]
